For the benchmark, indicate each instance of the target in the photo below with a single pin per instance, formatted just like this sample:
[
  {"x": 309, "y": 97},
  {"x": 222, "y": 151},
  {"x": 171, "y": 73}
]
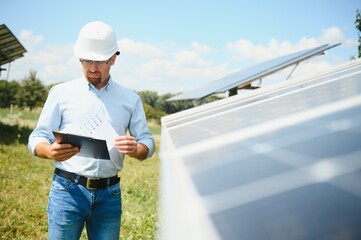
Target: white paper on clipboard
[{"x": 94, "y": 125}]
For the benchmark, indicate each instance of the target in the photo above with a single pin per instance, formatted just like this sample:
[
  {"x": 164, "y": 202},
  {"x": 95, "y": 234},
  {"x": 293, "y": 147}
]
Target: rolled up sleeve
[
  {"x": 139, "y": 129},
  {"x": 49, "y": 121}
]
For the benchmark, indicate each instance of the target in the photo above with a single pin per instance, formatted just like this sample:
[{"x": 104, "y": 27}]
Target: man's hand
[
  {"x": 129, "y": 146},
  {"x": 56, "y": 151},
  {"x": 62, "y": 152}
]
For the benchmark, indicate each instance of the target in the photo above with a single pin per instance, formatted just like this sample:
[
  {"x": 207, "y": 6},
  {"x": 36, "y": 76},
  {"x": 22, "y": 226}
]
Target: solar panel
[
  {"x": 251, "y": 74},
  {"x": 10, "y": 47},
  {"x": 284, "y": 166},
  {"x": 261, "y": 94}
]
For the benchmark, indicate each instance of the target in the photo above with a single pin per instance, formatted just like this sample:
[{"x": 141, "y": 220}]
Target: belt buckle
[{"x": 88, "y": 183}]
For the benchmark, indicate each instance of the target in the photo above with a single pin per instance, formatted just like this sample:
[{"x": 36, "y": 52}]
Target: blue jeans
[{"x": 71, "y": 206}]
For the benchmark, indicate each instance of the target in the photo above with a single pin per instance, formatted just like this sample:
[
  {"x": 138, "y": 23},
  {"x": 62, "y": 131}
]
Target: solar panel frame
[{"x": 10, "y": 47}]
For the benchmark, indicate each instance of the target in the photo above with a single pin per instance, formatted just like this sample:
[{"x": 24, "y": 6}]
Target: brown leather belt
[{"x": 89, "y": 183}]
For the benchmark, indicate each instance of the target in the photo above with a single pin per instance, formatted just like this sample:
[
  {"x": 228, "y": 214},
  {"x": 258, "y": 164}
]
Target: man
[{"x": 86, "y": 190}]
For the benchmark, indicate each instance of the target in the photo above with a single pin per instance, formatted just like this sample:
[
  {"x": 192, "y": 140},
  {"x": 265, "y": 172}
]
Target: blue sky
[{"x": 174, "y": 46}]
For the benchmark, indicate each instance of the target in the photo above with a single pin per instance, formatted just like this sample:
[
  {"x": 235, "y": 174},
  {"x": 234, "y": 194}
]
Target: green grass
[
  {"x": 19, "y": 117},
  {"x": 24, "y": 186},
  {"x": 139, "y": 195},
  {"x": 25, "y": 182}
]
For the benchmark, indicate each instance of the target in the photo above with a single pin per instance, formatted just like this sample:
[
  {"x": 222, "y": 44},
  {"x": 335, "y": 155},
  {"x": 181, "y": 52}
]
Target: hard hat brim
[{"x": 90, "y": 55}]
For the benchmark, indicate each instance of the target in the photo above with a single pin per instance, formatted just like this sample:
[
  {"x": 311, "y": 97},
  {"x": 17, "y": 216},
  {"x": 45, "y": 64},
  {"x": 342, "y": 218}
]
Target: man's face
[{"x": 97, "y": 72}]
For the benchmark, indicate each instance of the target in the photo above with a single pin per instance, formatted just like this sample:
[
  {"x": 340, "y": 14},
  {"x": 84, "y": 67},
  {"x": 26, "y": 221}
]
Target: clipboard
[{"x": 89, "y": 147}]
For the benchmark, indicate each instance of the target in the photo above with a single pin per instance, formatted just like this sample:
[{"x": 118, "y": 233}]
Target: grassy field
[{"x": 25, "y": 182}]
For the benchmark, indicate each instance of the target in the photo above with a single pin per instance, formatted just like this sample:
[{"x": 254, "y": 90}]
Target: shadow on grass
[{"x": 14, "y": 134}]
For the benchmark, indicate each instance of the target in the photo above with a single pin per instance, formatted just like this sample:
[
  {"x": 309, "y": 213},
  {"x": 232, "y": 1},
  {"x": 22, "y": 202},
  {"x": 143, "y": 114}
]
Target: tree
[
  {"x": 173, "y": 106},
  {"x": 153, "y": 113},
  {"x": 32, "y": 92},
  {"x": 149, "y": 97},
  {"x": 165, "y": 106},
  {"x": 358, "y": 27},
  {"x": 8, "y": 92}
]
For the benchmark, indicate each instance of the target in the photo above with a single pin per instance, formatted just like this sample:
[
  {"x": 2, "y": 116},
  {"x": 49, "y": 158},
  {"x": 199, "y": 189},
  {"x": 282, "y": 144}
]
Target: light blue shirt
[{"x": 68, "y": 102}]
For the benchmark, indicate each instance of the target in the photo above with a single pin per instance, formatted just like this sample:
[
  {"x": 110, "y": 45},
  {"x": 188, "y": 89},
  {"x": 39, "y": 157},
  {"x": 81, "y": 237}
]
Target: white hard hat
[{"x": 96, "y": 41}]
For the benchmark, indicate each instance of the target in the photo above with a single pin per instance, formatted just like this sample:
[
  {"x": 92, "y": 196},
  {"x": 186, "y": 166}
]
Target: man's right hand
[{"x": 57, "y": 151}]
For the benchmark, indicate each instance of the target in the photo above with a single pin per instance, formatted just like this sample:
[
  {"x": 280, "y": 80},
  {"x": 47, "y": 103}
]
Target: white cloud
[
  {"x": 246, "y": 53},
  {"x": 131, "y": 48},
  {"x": 245, "y": 50},
  {"x": 52, "y": 63},
  {"x": 166, "y": 67},
  {"x": 306, "y": 68},
  {"x": 30, "y": 40},
  {"x": 312, "y": 67},
  {"x": 189, "y": 58},
  {"x": 201, "y": 48},
  {"x": 334, "y": 35},
  {"x": 177, "y": 71}
]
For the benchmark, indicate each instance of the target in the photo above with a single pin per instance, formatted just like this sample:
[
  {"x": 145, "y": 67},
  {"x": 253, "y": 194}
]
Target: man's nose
[{"x": 94, "y": 66}]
